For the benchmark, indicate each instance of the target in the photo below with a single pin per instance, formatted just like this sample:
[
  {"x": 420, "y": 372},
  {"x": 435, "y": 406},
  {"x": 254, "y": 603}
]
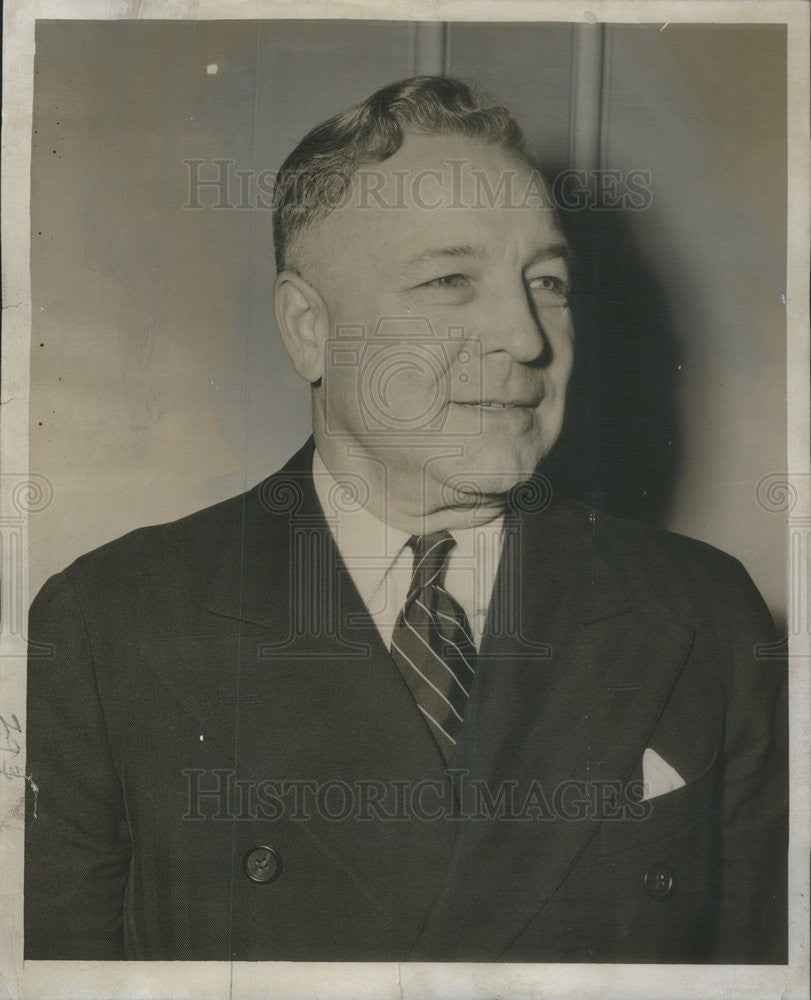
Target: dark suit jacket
[{"x": 215, "y": 685}]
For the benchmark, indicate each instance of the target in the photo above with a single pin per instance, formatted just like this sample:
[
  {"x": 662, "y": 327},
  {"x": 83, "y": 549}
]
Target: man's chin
[{"x": 481, "y": 487}]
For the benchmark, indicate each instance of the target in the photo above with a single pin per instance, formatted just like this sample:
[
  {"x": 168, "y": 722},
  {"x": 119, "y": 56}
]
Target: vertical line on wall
[
  {"x": 605, "y": 94},
  {"x": 586, "y": 116},
  {"x": 429, "y": 42},
  {"x": 411, "y": 47}
]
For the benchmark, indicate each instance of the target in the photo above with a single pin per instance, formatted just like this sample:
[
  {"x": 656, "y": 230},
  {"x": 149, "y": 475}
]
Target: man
[{"x": 398, "y": 702}]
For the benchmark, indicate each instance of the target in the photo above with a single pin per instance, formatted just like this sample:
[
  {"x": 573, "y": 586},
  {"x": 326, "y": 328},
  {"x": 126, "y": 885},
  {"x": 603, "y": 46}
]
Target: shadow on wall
[{"x": 619, "y": 448}]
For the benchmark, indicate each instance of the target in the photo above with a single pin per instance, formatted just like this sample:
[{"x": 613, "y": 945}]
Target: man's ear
[{"x": 301, "y": 315}]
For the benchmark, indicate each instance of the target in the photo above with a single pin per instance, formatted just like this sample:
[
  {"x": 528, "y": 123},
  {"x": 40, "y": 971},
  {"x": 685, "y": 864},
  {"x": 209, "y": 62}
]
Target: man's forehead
[
  {"x": 412, "y": 239},
  {"x": 414, "y": 236},
  {"x": 444, "y": 196}
]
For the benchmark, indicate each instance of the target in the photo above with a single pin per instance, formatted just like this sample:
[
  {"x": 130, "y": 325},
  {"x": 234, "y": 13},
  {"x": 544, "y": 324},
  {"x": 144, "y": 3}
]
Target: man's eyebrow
[
  {"x": 553, "y": 251},
  {"x": 476, "y": 250}
]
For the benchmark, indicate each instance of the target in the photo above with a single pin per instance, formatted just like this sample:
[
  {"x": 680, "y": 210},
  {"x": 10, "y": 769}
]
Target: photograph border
[{"x": 37, "y": 980}]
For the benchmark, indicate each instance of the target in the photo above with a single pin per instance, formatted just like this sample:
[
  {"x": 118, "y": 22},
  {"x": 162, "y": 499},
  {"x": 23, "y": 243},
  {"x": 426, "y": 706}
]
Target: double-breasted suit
[{"x": 226, "y": 762}]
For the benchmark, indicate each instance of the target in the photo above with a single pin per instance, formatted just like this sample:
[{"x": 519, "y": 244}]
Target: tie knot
[{"x": 430, "y": 555}]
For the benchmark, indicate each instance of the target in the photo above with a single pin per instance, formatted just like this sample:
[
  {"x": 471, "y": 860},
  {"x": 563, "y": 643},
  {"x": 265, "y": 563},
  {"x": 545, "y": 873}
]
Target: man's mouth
[{"x": 495, "y": 404}]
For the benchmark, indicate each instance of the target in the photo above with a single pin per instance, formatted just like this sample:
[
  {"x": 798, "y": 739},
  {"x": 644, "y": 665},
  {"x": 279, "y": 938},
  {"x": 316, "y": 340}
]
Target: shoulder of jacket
[
  {"x": 652, "y": 558},
  {"x": 648, "y": 539}
]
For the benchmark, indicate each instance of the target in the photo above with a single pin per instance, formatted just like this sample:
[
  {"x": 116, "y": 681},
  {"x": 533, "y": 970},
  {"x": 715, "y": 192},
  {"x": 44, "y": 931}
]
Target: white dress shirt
[{"x": 381, "y": 563}]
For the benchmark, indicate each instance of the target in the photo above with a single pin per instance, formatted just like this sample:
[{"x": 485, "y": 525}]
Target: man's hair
[{"x": 315, "y": 177}]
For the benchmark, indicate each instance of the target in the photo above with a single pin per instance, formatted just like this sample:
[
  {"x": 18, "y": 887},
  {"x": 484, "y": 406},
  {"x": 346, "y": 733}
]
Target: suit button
[
  {"x": 262, "y": 864},
  {"x": 659, "y": 881}
]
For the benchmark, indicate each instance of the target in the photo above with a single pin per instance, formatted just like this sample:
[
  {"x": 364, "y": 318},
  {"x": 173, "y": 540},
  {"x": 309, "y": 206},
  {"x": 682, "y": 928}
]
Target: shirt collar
[
  {"x": 373, "y": 553},
  {"x": 362, "y": 539}
]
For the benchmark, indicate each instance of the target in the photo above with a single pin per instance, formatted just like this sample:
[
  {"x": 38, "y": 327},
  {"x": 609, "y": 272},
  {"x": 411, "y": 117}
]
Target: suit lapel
[
  {"x": 573, "y": 674},
  {"x": 292, "y": 593}
]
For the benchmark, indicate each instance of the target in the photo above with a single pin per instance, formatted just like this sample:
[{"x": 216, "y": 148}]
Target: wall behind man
[{"x": 158, "y": 382}]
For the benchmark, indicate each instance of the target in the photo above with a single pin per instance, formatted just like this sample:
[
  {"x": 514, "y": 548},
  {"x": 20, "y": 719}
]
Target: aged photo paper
[{"x": 146, "y": 376}]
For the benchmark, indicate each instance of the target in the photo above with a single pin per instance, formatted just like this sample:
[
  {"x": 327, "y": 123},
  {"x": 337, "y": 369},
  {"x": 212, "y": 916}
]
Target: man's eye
[
  {"x": 548, "y": 283},
  {"x": 549, "y": 289},
  {"x": 448, "y": 281}
]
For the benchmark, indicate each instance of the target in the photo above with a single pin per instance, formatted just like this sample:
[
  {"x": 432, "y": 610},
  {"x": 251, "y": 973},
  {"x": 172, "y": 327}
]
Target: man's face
[{"x": 451, "y": 336}]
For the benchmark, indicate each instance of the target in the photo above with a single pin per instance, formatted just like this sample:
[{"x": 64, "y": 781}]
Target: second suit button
[
  {"x": 262, "y": 864},
  {"x": 659, "y": 881}
]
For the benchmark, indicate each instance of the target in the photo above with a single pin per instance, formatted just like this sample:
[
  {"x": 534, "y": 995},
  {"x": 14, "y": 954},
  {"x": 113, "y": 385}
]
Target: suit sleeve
[
  {"x": 77, "y": 848},
  {"x": 754, "y": 843}
]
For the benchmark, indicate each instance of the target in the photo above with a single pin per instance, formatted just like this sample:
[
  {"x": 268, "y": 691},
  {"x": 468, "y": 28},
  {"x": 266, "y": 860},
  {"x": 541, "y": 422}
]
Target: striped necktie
[{"x": 432, "y": 643}]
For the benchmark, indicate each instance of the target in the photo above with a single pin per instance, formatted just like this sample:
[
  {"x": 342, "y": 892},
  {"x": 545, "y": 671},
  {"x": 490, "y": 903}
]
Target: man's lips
[{"x": 500, "y": 404}]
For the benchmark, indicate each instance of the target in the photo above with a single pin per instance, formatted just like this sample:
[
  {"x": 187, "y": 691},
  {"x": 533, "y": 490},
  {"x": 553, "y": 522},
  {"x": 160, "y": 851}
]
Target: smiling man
[
  {"x": 485, "y": 267},
  {"x": 398, "y": 701}
]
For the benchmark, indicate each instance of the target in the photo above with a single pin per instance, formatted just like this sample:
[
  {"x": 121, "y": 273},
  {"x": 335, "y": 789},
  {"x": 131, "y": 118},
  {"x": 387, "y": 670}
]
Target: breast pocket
[{"x": 665, "y": 815}]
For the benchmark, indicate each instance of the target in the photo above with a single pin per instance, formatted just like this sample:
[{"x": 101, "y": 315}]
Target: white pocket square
[{"x": 658, "y": 777}]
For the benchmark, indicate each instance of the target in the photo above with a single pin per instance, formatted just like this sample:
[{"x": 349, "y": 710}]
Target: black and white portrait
[{"x": 411, "y": 556}]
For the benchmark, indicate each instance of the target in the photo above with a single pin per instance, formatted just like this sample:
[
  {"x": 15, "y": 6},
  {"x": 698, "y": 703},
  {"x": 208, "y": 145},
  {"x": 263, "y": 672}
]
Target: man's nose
[{"x": 511, "y": 324}]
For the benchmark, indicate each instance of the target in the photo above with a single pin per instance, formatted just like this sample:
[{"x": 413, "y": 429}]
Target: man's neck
[{"x": 372, "y": 483}]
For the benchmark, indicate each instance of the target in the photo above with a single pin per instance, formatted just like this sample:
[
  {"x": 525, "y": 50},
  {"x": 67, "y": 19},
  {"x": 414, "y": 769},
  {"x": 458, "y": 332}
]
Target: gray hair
[{"x": 316, "y": 175}]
